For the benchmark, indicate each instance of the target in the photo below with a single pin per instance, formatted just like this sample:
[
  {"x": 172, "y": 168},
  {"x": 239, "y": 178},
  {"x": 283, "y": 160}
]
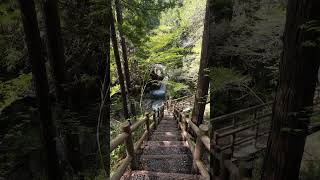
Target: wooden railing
[
  {"x": 224, "y": 167},
  {"x": 252, "y": 118},
  {"x": 201, "y": 144},
  {"x": 126, "y": 137}
]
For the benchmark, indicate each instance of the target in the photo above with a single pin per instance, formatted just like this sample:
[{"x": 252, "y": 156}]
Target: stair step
[
  {"x": 174, "y": 163},
  {"x": 166, "y": 133},
  {"x": 158, "y": 137},
  {"x": 165, "y": 143},
  {"x": 166, "y": 126},
  {"x": 169, "y": 121},
  {"x": 163, "y": 150},
  {"x": 150, "y": 175}
]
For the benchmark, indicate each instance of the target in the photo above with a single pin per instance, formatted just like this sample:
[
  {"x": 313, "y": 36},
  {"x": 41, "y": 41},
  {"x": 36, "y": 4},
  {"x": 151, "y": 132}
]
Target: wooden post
[
  {"x": 148, "y": 125},
  {"x": 162, "y": 112},
  {"x": 155, "y": 120},
  {"x": 158, "y": 116},
  {"x": 199, "y": 148},
  {"x": 225, "y": 156},
  {"x": 129, "y": 145}
]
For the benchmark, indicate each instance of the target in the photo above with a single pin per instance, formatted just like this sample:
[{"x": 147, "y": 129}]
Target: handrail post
[
  {"x": 162, "y": 112},
  {"x": 148, "y": 124},
  {"x": 199, "y": 148},
  {"x": 176, "y": 116},
  {"x": 184, "y": 124},
  {"x": 158, "y": 115},
  {"x": 155, "y": 120},
  {"x": 129, "y": 145}
]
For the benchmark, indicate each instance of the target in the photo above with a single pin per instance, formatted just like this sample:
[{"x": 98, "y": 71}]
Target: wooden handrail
[
  {"x": 243, "y": 111},
  {"x": 122, "y": 168},
  {"x": 137, "y": 124},
  {"x": 117, "y": 141},
  {"x": 202, "y": 142},
  {"x": 127, "y": 139}
]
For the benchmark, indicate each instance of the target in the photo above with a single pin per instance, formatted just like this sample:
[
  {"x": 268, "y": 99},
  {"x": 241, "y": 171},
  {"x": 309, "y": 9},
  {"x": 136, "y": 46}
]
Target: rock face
[{"x": 164, "y": 156}]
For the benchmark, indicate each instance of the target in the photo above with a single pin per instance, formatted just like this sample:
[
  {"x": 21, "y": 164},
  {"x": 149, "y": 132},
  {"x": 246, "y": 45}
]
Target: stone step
[
  {"x": 174, "y": 163},
  {"x": 167, "y": 126},
  {"x": 157, "y": 137},
  {"x": 165, "y": 143},
  {"x": 166, "y": 133},
  {"x": 164, "y": 126},
  {"x": 165, "y": 150},
  {"x": 174, "y": 131},
  {"x": 150, "y": 175},
  {"x": 168, "y": 121}
]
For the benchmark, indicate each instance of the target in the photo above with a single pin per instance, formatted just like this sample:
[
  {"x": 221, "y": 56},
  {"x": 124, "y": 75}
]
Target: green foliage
[
  {"x": 8, "y": 12},
  {"x": 173, "y": 88},
  {"x": 176, "y": 42},
  {"x": 224, "y": 78},
  {"x": 12, "y": 89},
  {"x": 312, "y": 171}
]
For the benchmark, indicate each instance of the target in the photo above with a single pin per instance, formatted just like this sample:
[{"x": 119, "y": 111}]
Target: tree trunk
[
  {"x": 203, "y": 79},
  {"x": 124, "y": 53},
  {"x": 294, "y": 99},
  {"x": 48, "y": 129},
  {"x": 55, "y": 45},
  {"x": 106, "y": 89},
  {"x": 119, "y": 68}
]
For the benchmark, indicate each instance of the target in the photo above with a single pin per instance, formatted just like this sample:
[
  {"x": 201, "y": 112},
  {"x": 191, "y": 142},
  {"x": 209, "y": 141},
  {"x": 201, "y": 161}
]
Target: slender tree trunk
[
  {"x": 106, "y": 86},
  {"x": 48, "y": 129},
  {"x": 119, "y": 68},
  {"x": 124, "y": 53},
  {"x": 294, "y": 99},
  {"x": 203, "y": 78},
  {"x": 55, "y": 45}
]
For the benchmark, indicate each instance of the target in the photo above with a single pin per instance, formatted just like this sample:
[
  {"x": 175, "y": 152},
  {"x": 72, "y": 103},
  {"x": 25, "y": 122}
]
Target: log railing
[
  {"x": 224, "y": 167},
  {"x": 126, "y": 137},
  {"x": 253, "y": 118},
  {"x": 197, "y": 147}
]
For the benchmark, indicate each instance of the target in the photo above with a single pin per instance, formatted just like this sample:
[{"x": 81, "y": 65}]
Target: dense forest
[{"x": 159, "y": 89}]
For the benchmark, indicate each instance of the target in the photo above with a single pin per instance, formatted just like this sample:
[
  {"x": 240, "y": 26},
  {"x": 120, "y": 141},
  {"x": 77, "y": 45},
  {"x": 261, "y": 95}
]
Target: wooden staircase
[{"x": 164, "y": 155}]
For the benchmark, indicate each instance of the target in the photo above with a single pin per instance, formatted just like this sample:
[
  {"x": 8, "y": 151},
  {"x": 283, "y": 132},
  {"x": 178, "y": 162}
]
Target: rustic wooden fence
[
  {"x": 197, "y": 147},
  {"x": 239, "y": 122},
  {"x": 223, "y": 166},
  {"x": 132, "y": 147}
]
